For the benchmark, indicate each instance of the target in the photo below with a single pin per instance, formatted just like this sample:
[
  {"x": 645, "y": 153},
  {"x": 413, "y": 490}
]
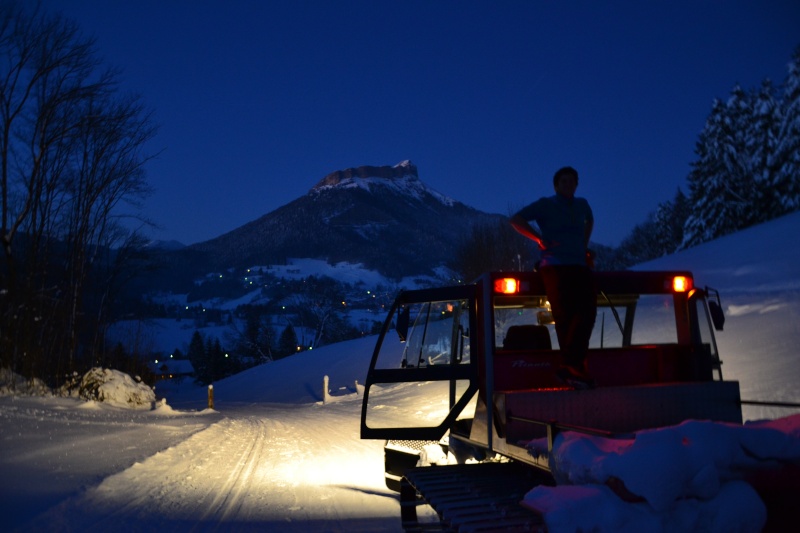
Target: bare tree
[
  {"x": 493, "y": 246},
  {"x": 71, "y": 153}
]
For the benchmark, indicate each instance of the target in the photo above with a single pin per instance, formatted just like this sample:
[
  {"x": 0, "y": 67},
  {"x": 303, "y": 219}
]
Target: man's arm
[{"x": 524, "y": 228}]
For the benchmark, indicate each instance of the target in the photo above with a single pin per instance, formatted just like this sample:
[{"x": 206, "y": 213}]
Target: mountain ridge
[{"x": 384, "y": 217}]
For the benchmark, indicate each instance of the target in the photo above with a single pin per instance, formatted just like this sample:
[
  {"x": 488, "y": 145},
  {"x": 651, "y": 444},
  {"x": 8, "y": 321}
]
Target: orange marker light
[
  {"x": 681, "y": 284},
  {"x": 506, "y": 286}
]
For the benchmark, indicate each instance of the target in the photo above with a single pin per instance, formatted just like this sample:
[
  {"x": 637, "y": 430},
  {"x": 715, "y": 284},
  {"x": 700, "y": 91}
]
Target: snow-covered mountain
[{"x": 383, "y": 217}]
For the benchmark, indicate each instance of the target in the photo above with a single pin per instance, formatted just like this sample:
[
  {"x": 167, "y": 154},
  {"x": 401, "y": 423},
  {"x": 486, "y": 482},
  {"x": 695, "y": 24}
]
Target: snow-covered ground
[{"x": 271, "y": 456}]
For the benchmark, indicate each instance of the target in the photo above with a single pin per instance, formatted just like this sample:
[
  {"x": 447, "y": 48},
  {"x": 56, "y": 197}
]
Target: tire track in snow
[
  {"x": 198, "y": 483},
  {"x": 253, "y": 431},
  {"x": 284, "y": 469}
]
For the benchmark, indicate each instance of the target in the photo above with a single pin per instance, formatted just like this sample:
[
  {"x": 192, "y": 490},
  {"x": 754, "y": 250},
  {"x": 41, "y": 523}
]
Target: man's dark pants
[{"x": 573, "y": 301}]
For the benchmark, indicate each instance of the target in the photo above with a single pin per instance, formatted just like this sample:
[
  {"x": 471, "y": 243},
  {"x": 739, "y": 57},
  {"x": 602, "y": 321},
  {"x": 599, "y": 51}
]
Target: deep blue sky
[{"x": 259, "y": 100}]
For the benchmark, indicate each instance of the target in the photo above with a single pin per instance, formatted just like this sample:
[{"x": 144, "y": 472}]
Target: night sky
[{"x": 259, "y": 100}]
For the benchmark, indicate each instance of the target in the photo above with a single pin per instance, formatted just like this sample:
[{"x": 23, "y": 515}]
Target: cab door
[{"x": 422, "y": 375}]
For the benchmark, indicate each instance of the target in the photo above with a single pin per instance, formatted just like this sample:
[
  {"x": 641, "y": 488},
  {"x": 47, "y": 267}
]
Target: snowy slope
[
  {"x": 760, "y": 259},
  {"x": 757, "y": 272}
]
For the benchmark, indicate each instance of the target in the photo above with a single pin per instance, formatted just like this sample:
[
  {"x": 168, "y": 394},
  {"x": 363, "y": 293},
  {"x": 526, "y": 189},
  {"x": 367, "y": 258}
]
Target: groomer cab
[{"x": 473, "y": 367}]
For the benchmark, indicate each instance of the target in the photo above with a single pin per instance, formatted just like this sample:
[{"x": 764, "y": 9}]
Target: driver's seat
[{"x": 527, "y": 337}]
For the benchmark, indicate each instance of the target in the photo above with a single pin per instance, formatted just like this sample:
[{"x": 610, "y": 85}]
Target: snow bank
[
  {"x": 689, "y": 477},
  {"x": 295, "y": 379},
  {"x": 12, "y": 384},
  {"x": 97, "y": 385},
  {"x": 116, "y": 388}
]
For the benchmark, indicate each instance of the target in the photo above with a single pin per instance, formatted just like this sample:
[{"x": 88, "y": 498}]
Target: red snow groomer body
[{"x": 479, "y": 363}]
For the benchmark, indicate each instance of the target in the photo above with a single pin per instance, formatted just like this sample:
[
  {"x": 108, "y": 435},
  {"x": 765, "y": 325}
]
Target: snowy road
[{"x": 261, "y": 467}]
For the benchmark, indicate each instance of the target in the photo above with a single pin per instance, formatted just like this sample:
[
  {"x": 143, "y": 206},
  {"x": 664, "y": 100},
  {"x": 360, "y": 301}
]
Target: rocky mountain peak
[{"x": 352, "y": 176}]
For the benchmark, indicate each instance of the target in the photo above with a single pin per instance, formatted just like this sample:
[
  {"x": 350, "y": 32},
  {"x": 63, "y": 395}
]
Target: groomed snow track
[{"x": 471, "y": 498}]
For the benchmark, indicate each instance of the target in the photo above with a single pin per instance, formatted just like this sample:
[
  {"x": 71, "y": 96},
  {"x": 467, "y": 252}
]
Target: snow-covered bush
[
  {"x": 116, "y": 388},
  {"x": 70, "y": 387},
  {"x": 12, "y": 383}
]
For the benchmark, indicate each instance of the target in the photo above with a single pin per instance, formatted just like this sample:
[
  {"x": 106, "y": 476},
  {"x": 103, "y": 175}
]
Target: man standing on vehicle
[{"x": 565, "y": 224}]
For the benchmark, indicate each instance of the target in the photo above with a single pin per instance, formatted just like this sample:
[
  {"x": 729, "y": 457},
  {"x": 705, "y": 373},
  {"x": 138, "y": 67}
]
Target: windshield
[{"x": 622, "y": 320}]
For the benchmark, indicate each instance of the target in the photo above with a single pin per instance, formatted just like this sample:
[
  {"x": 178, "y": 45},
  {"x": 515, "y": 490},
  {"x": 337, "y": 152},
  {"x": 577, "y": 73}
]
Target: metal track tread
[{"x": 470, "y": 498}]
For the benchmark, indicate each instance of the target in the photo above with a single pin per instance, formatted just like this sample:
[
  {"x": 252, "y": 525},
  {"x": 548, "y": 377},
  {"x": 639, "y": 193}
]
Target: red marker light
[
  {"x": 506, "y": 286},
  {"x": 681, "y": 284}
]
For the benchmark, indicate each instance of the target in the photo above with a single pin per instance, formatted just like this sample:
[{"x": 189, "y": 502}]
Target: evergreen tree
[
  {"x": 212, "y": 361},
  {"x": 287, "y": 344},
  {"x": 219, "y": 360},
  {"x": 198, "y": 357},
  {"x": 661, "y": 234},
  {"x": 748, "y": 166},
  {"x": 721, "y": 182},
  {"x": 639, "y": 246},
  {"x": 669, "y": 220},
  {"x": 787, "y": 152},
  {"x": 762, "y": 155}
]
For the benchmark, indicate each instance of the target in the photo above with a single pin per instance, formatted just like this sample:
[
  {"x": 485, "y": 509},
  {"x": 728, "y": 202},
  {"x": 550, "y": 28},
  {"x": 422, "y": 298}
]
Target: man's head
[{"x": 565, "y": 181}]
